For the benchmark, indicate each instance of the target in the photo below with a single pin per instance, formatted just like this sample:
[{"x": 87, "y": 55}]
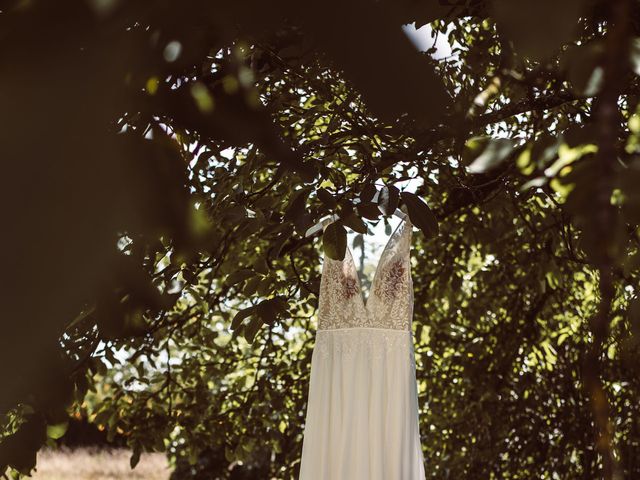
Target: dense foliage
[{"x": 162, "y": 161}]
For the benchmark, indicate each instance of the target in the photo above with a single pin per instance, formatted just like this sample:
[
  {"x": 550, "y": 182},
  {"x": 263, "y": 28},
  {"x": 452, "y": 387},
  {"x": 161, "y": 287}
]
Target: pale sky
[{"x": 422, "y": 39}]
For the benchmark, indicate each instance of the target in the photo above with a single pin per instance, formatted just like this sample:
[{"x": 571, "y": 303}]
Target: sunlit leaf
[
  {"x": 420, "y": 214},
  {"x": 334, "y": 241},
  {"x": 57, "y": 430}
]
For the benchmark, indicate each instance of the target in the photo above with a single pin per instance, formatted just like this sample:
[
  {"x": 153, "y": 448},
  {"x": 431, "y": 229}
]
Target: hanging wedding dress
[{"x": 362, "y": 413}]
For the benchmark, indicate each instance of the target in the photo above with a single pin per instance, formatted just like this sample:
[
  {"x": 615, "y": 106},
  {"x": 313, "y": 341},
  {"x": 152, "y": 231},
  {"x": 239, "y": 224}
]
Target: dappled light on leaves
[{"x": 162, "y": 165}]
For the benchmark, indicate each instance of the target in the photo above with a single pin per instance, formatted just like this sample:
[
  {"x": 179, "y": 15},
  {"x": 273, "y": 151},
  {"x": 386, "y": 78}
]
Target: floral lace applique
[
  {"x": 341, "y": 303},
  {"x": 391, "y": 281},
  {"x": 349, "y": 286}
]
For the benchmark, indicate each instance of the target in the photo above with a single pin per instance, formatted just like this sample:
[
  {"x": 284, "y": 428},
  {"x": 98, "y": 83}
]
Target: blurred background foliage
[{"x": 162, "y": 161}]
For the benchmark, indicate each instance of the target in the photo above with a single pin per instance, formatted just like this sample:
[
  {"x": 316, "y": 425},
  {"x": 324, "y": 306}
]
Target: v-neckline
[{"x": 365, "y": 301}]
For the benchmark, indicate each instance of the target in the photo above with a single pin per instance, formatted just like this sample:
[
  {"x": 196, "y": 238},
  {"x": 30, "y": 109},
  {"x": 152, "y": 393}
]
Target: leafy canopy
[{"x": 162, "y": 162}]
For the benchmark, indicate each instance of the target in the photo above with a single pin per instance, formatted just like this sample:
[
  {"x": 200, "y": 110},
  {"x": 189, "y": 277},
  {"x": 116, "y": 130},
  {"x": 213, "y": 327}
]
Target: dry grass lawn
[{"x": 92, "y": 464}]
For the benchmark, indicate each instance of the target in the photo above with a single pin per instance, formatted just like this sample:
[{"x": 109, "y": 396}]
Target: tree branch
[{"x": 604, "y": 223}]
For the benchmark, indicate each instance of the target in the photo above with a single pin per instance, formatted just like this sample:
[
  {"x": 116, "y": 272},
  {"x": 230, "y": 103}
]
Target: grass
[{"x": 99, "y": 464}]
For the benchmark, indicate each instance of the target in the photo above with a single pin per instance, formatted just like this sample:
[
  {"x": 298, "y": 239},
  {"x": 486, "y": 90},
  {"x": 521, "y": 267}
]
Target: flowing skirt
[{"x": 362, "y": 414}]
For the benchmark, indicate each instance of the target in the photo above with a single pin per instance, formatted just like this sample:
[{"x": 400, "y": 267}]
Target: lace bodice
[{"x": 390, "y": 302}]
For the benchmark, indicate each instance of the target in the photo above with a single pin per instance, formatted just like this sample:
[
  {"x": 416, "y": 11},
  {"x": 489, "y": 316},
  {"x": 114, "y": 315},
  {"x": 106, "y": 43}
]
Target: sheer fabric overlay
[
  {"x": 362, "y": 412},
  {"x": 390, "y": 302}
]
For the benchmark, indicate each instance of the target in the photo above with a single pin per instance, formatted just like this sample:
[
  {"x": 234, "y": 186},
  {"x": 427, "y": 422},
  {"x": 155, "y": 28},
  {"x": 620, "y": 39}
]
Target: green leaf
[
  {"x": 19, "y": 449},
  {"x": 252, "y": 224},
  {"x": 577, "y": 135},
  {"x": 420, "y": 214},
  {"x": 355, "y": 223},
  {"x": 307, "y": 169},
  {"x": 582, "y": 64},
  {"x": 271, "y": 309},
  {"x": 346, "y": 208},
  {"x": 279, "y": 242},
  {"x": 235, "y": 214},
  {"x": 252, "y": 286},
  {"x": 367, "y": 193},
  {"x": 202, "y": 159},
  {"x": 239, "y": 276},
  {"x": 545, "y": 150},
  {"x": 534, "y": 183},
  {"x": 326, "y": 198},
  {"x": 297, "y": 204},
  {"x": 135, "y": 457},
  {"x": 260, "y": 265},
  {"x": 252, "y": 328},
  {"x": 240, "y": 316},
  {"x": 199, "y": 222},
  {"x": 634, "y": 55},
  {"x": 57, "y": 430},
  {"x": 634, "y": 315},
  {"x": 496, "y": 152},
  {"x": 369, "y": 210},
  {"x": 334, "y": 241},
  {"x": 388, "y": 199},
  {"x": 229, "y": 455}
]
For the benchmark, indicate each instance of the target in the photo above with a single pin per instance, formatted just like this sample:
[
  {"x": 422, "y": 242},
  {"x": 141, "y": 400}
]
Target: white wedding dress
[{"x": 362, "y": 413}]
